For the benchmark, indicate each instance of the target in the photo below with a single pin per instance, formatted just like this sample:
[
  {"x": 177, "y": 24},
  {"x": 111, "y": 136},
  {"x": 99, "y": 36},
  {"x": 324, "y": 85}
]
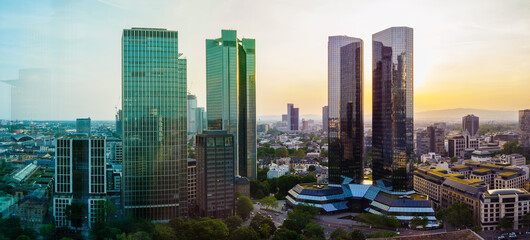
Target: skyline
[{"x": 456, "y": 50}]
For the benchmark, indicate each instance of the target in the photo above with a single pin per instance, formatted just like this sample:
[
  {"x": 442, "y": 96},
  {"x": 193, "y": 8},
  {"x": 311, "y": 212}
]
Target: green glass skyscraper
[
  {"x": 154, "y": 124},
  {"x": 231, "y": 95}
]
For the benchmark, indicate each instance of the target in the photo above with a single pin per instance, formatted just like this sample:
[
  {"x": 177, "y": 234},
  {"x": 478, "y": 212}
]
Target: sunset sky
[{"x": 467, "y": 54}]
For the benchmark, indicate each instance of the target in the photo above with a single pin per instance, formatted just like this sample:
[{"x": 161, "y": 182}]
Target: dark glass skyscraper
[
  {"x": 83, "y": 126},
  {"x": 345, "y": 108},
  {"x": 293, "y": 117},
  {"x": 470, "y": 126},
  {"x": 154, "y": 124},
  {"x": 392, "y": 119},
  {"x": 231, "y": 95}
]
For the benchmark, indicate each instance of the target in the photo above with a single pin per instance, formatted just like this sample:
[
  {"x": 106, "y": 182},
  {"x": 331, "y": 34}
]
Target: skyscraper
[
  {"x": 154, "y": 124},
  {"x": 119, "y": 116},
  {"x": 292, "y": 117},
  {"x": 524, "y": 128},
  {"x": 325, "y": 112},
  {"x": 345, "y": 106},
  {"x": 436, "y": 139},
  {"x": 215, "y": 178},
  {"x": 392, "y": 120},
  {"x": 80, "y": 179},
  {"x": 470, "y": 126},
  {"x": 82, "y": 125},
  {"x": 231, "y": 95},
  {"x": 192, "y": 115}
]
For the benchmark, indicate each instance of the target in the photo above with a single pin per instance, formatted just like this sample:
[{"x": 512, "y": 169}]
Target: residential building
[
  {"x": 276, "y": 171},
  {"x": 524, "y": 128},
  {"x": 80, "y": 179},
  {"x": 82, "y": 125},
  {"x": 154, "y": 124},
  {"x": 495, "y": 204},
  {"x": 231, "y": 95},
  {"x": 470, "y": 126},
  {"x": 215, "y": 174},
  {"x": 345, "y": 108},
  {"x": 392, "y": 117}
]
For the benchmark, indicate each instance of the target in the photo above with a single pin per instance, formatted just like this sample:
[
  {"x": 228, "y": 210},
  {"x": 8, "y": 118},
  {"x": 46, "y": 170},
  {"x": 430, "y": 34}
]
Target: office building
[
  {"x": 202, "y": 121},
  {"x": 305, "y": 125},
  {"x": 80, "y": 179},
  {"x": 82, "y": 126},
  {"x": 436, "y": 139},
  {"x": 392, "y": 117},
  {"x": 215, "y": 174},
  {"x": 192, "y": 115},
  {"x": 498, "y": 203},
  {"x": 154, "y": 125},
  {"x": 263, "y": 128},
  {"x": 524, "y": 128},
  {"x": 231, "y": 95},
  {"x": 119, "y": 116},
  {"x": 459, "y": 146},
  {"x": 345, "y": 108},
  {"x": 325, "y": 114},
  {"x": 470, "y": 126},
  {"x": 422, "y": 143},
  {"x": 292, "y": 117},
  {"x": 192, "y": 183}
]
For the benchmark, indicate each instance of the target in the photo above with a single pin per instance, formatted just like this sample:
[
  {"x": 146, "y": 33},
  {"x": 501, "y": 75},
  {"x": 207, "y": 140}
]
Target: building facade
[
  {"x": 293, "y": 119},
  {"x": 325, "y": 115},
  {"x": 436, "y": 139},
  {"x": 345, "y": 108},
  {"x": 231, "y": 95},
  {"x": 215, "y": 174},
  {"x": 80, "y": 179},
  {"x": 470, "y": 125},
  {"x": 154, "y": 124},
  {"x": 498, "y": 203},
  {"x": 82, "y": 125},
  {"x": 524, "y": 128},
  {"x": 192, "y": 115},
  {"x": 392, "y": 117}
]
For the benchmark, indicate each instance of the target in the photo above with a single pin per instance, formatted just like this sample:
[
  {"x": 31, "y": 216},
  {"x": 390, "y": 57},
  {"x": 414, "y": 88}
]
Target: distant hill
[{"x": 455, "y": 115}]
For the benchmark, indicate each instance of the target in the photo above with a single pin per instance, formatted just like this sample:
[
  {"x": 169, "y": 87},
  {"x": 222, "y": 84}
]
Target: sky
[{"x": 467, "y": 54}]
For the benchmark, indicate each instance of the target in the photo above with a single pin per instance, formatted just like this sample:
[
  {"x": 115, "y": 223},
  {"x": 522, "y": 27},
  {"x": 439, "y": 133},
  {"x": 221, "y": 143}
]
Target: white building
[{"x": 276, "y": 171}]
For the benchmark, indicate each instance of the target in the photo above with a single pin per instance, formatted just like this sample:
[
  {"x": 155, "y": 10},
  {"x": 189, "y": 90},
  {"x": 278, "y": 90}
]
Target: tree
[
  {"x": 458, "y": 215},
  {"x": 357, "y": 235},
  {"x": 415, "y": 221},
  {"x": 163, "y": 231},
  {"x": 262, "y": 174},
  {"x": 505, "y": 223},
  {"x": 309, "y": 178},
  {"x": 299, "y": 153},
  {"x": 287, "y": 234},
  {"x": 454, "y": 159},
  {"x": 23, "y": 237},
  {"x": 244, "y": 233},
  {"x": 74, "y": 214},
  {"x": 181, "y": 227},
  {"x": 244, "y": 206},
  {"x": 269, "y": 202},
  {"x": 207, "y": 228},
  {"x": 263, "y": 226},
  {"x": 324, "y": 153},
  {"x": 314, "y": 231},
  {"x": 311, "y": 168},
  {"x": 526, "y": 220},
  {"x": 477, "y": 229},
  {"x": 298, "y": 219},
  {"x": 233, "y": 222},
  {"x": 339, "y": 234},
  {"x": 47, "y": 231},
  {"x": 281, "y": 152}
]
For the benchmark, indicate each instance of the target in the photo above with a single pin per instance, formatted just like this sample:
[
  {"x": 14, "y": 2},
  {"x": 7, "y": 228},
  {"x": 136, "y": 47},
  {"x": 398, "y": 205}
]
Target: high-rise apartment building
[
  {"x": 82, "y": 125},
  {"x": 154, "y": 124},
  {"x": 392, "y": 119},
  {"x": 325, "y": 114},
  {"x": 80, "y": 179},
  {"x": 292, "y": 117},
  {"x": 524, "y": 128},
  {"x": 345, "y": 108},
  {"x": 215, "y": 174},
  {"x": 470, "y": 126},
  {"x": 231, "y": 95}
]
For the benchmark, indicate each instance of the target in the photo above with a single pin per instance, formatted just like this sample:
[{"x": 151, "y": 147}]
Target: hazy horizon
[{"x": 464, "y": 56}]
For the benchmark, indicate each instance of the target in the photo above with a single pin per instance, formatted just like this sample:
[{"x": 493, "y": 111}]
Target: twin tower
[{"x": 392, "y": 108}]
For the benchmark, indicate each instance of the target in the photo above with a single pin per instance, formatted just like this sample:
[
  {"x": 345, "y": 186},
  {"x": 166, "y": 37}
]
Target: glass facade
[
  {"x": 231, "y": 95},
  {"x": 154, "y": 124},
  {"x": 345, "y": 108},
  {"x": 470, "y": 125},
  {"x": 392, "y": 119}
]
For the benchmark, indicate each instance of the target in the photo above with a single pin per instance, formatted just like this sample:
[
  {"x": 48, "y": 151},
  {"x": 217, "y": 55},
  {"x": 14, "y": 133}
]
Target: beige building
[
  {"x": 466, "y": 191},
  {"x": 496, "y": 204}
]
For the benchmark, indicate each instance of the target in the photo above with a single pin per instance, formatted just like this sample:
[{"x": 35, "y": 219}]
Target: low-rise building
[
  {"x": 466, "y": 191},
  {"x": 276, "y": 171},
  {"x": 33, "y": 209}
]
